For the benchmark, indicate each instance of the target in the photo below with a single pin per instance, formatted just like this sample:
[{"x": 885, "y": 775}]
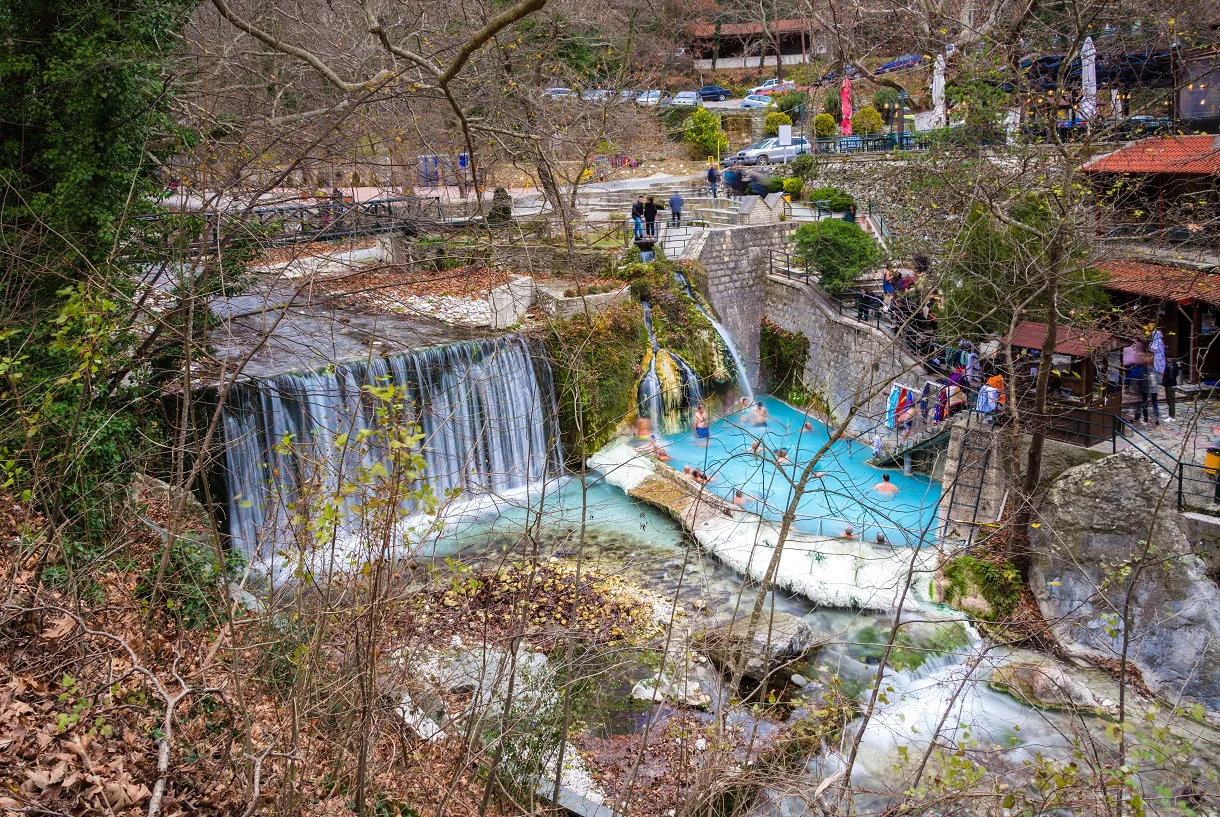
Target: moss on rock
[
  {"x": 990, "y": 590},
  {"x": 596, "y": 363}
]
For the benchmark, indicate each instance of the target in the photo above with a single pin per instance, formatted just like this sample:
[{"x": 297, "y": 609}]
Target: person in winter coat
[
  {"x": 1141, "y": 376},
  {"x": 713, "y": 177},
  {"x": 675, "y": 209},
  {"x": 637, "y": 215},
  {"x": 650, "y": 218},
  {"x": 1169, "y": 379}
]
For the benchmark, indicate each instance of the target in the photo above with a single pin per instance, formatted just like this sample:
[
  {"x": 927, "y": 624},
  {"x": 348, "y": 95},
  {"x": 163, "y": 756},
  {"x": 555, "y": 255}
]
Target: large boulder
[
  {"x": 1108, "y": 530},
  {"x": 1044, "y": 684},
  {"x": 778, "y": 641}
]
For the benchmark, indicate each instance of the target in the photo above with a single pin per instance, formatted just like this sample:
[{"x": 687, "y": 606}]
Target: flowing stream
[{"x": 485, "y": 415}]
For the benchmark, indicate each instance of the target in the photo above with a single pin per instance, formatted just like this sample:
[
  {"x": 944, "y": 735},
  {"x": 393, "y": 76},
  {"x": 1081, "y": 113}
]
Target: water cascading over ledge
[{"x": 485, "y": 408}]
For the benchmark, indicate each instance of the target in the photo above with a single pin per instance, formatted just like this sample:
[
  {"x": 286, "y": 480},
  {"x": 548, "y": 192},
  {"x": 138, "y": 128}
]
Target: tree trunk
[{"x": 1018, "y": 541}]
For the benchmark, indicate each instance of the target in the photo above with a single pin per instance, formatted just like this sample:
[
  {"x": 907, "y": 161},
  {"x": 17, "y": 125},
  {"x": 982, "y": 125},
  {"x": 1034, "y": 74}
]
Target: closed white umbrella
[
  {"x": 938, "y": 92},
  {"x": 1088, "y": 80}
]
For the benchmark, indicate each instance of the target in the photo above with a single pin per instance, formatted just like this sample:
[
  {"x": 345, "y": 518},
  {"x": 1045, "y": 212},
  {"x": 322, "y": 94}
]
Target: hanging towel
[
  {"x": 891, "y": 406},
  {"x": 1157, "y": 347},
  {"x": 988, "y": 397},
  {"x": 973, "y": 371}
]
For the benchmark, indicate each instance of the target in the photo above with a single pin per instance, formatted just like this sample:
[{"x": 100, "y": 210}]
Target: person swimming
[
  {"x": 782, "y": 457},
  {"x": 757, "y": 415},
  {"x": 739, "y": 499},
  {"x": 885, "y": 486},
  {"x": 848, "y": 532}
]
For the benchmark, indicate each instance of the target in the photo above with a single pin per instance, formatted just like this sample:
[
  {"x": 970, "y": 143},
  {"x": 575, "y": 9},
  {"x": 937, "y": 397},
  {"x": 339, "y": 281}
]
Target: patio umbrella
[
  {"x": 845, "y": 97},
  {"x": 1088, "y": 79},
  {"x": 938, "y": 92}
]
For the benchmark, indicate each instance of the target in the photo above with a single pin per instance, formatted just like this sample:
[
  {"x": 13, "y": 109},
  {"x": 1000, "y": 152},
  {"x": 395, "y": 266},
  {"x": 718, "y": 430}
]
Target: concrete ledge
[{"x": 563, "y": 308}]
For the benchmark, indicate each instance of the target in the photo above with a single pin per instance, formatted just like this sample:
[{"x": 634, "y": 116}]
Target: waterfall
[
  {"x": 485, "y": 409},
  {"x": 652, "y": 336},
  {"x": 648, "y": 396},
  {"x": 690, "y": 382},
  {"x": 743, "y": 377},
  {"x": 668, "y": 383}
]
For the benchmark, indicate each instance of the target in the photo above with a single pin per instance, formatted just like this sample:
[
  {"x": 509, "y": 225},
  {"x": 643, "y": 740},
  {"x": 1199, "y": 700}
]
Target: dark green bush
[
  {"x": 838, "y": 250},
  {"x": 839, "y": 199},
  {"x": 190, "y": 589},
  {"x": 792, "y": 103}
]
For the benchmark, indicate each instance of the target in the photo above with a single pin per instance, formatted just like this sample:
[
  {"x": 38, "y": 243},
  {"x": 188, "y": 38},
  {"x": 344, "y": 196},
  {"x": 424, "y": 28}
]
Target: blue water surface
[{"x": 842, "y": 494}]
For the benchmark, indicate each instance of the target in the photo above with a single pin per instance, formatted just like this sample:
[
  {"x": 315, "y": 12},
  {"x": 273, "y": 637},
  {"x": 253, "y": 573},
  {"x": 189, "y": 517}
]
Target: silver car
[
  {"x": 652, "y": 98},
  {"x": 758, "y": 101},
  {"x": 770, "y": 150},
  {"x": 688, "y": 99}
]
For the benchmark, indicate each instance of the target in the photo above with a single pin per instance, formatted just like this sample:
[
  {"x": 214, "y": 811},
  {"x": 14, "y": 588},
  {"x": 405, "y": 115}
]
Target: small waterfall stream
[
  {"x": 743, "y": 377},
  {"x": 668, "y": 384},
  {"x": 485, "y": 409}
]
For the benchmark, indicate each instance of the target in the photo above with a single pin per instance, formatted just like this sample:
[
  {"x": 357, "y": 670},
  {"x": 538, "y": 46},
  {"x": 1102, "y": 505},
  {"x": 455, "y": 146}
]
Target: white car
[
  {"x": 558, "y": 93},
  {"x": 688, "y": 99},
  {"x": 652, "y": 98},
  {"x": 772, "y": 85},
  {"x": 757, "y": 101}
]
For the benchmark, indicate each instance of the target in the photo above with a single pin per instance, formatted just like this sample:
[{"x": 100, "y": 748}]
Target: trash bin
[{"x": 1211, "y": 463}]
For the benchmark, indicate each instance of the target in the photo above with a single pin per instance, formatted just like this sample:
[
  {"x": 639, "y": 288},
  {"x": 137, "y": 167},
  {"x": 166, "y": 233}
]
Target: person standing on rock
[{"x": 675, "y": 209}]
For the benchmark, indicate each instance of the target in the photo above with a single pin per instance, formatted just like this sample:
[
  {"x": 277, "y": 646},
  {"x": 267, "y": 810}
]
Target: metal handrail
[{"x": 792, "y": 261}]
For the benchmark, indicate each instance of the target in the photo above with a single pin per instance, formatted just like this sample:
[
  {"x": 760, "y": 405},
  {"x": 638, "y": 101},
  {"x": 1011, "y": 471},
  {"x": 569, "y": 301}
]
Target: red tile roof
[
  {"x": 705, "y": 30},
  {"x": 1162, "y": 283},
  {"x": 1179, "y": 155},
  {"x": 1069, "y": 340}
]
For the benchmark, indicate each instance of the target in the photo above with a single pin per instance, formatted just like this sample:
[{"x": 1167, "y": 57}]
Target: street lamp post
[{"x": 903, "y": 96}]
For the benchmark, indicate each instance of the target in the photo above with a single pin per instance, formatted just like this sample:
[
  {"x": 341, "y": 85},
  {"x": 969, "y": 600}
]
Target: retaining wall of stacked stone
[
  {"x": 735, "y": 262},
  {"x": 849, "y": 362}
]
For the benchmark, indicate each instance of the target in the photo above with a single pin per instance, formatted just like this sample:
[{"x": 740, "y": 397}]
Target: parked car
[
  {"x": 688, "y": 99},
  {"x": 628, "y": 94},
  {"x": 758, "y": 101},
  {"x": 596, "y": 96},
  {"x": 558, "y": 93},
  {"x": 772, "y": 85},
  {"x": 653, "y": 97},
  {"x": 714, "y": 93},
  {"x": 770, "y": 150}
]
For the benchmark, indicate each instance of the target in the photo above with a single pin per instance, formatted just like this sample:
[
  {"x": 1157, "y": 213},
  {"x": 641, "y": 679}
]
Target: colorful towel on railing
[{"x": 901, "y": 401}]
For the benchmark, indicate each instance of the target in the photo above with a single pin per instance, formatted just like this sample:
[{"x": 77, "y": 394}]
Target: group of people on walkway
[{"x": 644, "y": 214}]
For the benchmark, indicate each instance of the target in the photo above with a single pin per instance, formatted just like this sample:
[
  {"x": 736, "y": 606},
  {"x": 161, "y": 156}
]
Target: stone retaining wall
[
  {"x": 735, "y": 262},
  {"x": 849, "y": 362}
]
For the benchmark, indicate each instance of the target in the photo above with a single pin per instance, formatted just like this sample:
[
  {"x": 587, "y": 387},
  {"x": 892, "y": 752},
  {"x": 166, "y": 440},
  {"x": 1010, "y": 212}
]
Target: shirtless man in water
[
  {"x": 702, "y": 426},
  {"x": 885, "y": 486}
]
